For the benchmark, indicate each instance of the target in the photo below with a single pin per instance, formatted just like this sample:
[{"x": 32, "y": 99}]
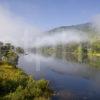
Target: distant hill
[
  {"x": 86, "y": 27},
  {"x": 82, "y": 27}
]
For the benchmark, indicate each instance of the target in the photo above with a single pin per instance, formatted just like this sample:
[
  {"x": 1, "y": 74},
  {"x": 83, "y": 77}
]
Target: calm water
[{"x": 71, "y": 81}]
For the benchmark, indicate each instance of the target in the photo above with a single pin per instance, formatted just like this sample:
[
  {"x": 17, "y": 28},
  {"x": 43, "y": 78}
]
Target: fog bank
[{"x": 16, "y": 30}]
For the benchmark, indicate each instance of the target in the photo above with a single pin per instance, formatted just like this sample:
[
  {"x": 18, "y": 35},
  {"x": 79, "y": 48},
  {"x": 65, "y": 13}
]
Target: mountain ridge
[{"x": 72, "y": 27}]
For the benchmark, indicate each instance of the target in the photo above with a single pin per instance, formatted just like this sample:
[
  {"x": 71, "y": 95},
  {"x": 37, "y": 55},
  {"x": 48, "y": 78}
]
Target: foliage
[
  {"x": 95, "y": 46},
  {"x": 20, "y": 50},
  {"x": 9, "y": 54},
  {"x": 16, "y": 85},
  {"x": 83, "y": 52}
]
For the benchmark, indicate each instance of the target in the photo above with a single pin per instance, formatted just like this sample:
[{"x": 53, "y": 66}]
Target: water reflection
[{"x": 70, "y": 80}]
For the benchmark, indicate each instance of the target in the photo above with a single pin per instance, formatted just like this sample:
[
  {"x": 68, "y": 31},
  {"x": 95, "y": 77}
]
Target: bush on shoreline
[{"x": 16, "y": 85}]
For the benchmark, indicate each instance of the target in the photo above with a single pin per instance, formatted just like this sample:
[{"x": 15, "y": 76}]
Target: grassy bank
[{"x": 16, "y": 85}]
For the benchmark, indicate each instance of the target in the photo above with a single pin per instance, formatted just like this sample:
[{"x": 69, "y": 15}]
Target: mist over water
[
  {"x": 63, "y": 74},
  {"x": 77, "y": 79}
]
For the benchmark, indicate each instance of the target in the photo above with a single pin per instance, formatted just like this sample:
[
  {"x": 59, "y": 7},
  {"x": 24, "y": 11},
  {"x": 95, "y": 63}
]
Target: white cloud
[
  {"x": 61, "y": 38},
  {"x": 14, "y": 29},
  {"x": 96, "y": 22}
]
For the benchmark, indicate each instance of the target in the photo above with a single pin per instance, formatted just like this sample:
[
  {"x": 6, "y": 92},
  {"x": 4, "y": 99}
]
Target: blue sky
[{"x": 47, "y": 14}]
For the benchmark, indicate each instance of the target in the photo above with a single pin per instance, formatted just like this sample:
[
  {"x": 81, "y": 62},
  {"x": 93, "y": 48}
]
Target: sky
[
  {"x": 48, "y": 14},
  {"x": 24, "y": 22}
]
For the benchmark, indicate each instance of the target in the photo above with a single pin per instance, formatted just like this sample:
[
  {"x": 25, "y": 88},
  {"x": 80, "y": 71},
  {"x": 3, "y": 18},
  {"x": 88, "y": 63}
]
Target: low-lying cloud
[
  {"x": 96, "y": 23},
  {"x": 61, "y": 38},
  {"x": 16, "y": 30}
]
